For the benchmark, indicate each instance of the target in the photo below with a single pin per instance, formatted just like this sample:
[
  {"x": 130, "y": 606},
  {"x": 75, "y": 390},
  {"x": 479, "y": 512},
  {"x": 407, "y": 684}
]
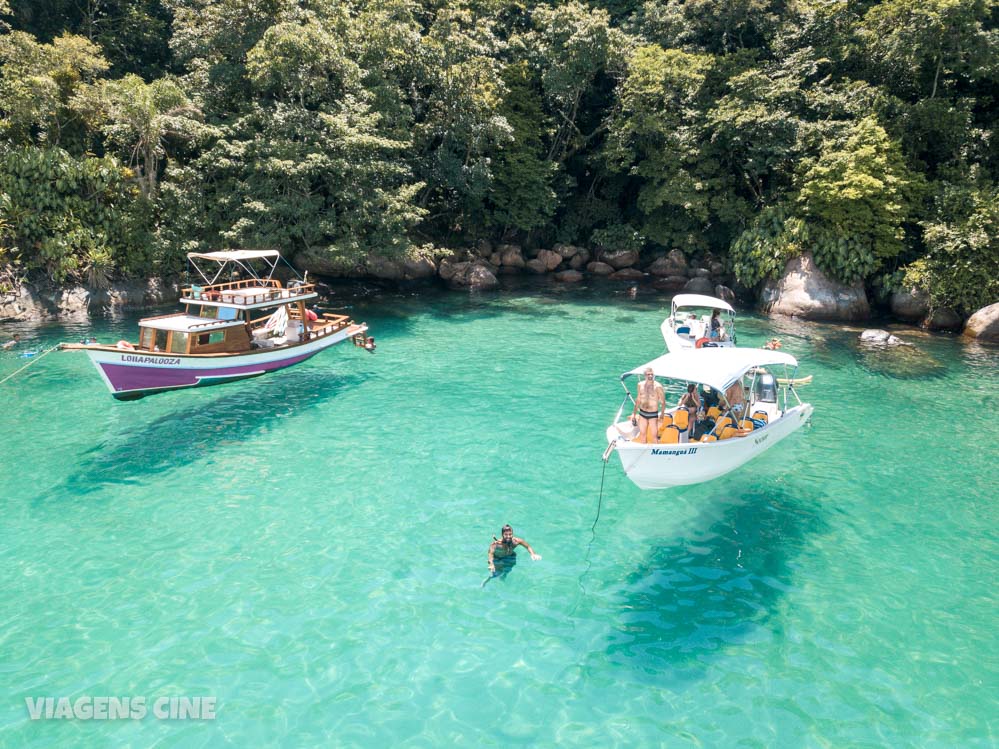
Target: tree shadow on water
[
  {"x": 717, "y": 587},
  {"x": 197, "y": 429}
]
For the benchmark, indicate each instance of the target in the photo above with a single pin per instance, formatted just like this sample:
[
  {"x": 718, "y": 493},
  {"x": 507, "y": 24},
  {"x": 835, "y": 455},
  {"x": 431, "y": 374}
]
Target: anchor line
[
  {"x": 593, "y": 536},
  {"x": 17, "y": 371}
]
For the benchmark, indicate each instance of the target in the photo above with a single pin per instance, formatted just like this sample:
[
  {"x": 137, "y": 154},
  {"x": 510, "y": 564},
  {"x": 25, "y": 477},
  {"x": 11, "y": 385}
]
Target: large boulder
[
  {"x": 984, "y": 324},
  {"x": 717, "y": 269},
  {"x": 483, "y": 248},
  {"x": 568, "y": 276},
  {"x": 805, "y": 291},
  {"x": 419, "y": 267},
  {"x": 699, "y": 285},
  {"x": 566, "y": 250},
  {"x": 627, "y": 274},
  {"x": 725, "y": 294},
  {"x": 910, "y": 305},
  {"x": 383, "y": 268},
  {"x": 472, "y": 275},
  {"x": 536, "y": 265},
  {"x": 943, "y": 318},
  {"x": 550, "y": 259},
  {"x": 599, "y": 269},
  {"x": 662, "y": 267},
  {"x": 702, "y": 273},
  {"x": 511, "y": 256},
  {"x": 618, "y": 259}
]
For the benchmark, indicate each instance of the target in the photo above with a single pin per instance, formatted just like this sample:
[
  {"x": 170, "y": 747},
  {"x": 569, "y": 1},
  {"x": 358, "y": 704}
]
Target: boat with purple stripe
[{"x": 244, "y": 327}]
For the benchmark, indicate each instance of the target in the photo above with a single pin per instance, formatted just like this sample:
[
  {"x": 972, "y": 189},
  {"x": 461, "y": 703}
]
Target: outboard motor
[{"x": 766, "y": 388}]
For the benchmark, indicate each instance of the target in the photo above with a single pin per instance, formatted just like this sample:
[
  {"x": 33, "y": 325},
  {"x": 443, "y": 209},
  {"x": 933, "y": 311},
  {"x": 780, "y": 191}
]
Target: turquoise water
[{"x": 308, "y": 547}]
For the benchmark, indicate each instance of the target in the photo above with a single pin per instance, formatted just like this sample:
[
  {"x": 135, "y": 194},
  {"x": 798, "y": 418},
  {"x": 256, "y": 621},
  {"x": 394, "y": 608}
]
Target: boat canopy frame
[
  {"x": 236, "y": 259},
  {"x": 701, "y": 301}
]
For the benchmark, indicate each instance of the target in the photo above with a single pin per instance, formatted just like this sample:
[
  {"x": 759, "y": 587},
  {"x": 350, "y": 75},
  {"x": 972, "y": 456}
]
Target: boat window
[
  {"x": 161, "y": 340},
  {"x": 206, "y": 339},
  {"x": 211, "y": 312},
  {"x": 146, "y": 338},
  {"x": 178, "y": 343},
  {"x": 228, "y": 313}
]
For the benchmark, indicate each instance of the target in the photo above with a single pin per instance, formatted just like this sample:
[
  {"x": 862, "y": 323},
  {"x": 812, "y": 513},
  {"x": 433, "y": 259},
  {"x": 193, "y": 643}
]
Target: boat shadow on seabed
[
  {"x": 717, "y": 586},
  {"x": 188, "y": 435}
]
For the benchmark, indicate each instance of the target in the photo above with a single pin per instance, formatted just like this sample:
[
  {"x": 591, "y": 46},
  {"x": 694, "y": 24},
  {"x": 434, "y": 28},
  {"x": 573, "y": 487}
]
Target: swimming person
[
  {"x": 503, "y": 553},
  {"x": 649, "y": 407},
  {"x": 13, "y": 342}
]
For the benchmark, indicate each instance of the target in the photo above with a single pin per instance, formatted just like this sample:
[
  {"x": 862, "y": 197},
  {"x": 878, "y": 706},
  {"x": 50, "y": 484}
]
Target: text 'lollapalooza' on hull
[{"x": 228, "y": 331}]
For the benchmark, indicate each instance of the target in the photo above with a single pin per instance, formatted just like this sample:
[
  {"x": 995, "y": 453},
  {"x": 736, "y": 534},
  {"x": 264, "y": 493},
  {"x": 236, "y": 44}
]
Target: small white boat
[
  {"x": 689, "y": 323},
  {"x": 730, "y": 435}
]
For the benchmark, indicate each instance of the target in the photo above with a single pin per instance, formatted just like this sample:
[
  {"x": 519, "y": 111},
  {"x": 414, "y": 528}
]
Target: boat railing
[
  {"x": 329, "y": 324},
  {"x": 246, "y": 291}
]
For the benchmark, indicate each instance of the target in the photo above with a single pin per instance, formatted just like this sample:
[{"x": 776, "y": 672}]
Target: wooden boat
[
  {"x": 228, "y": 331},
  {"x": 754, "y": 422}
]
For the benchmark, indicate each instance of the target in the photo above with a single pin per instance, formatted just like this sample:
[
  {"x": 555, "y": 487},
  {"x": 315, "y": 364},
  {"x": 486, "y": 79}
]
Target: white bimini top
[
  {"x": 700, "y": 300},
  {"x": 716, "y": 367}
]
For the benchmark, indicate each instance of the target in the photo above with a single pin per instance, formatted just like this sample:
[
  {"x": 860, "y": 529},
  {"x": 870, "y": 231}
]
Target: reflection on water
[
  {"x": 190, "y": 434},
  {"x": 699, "y": 593}
]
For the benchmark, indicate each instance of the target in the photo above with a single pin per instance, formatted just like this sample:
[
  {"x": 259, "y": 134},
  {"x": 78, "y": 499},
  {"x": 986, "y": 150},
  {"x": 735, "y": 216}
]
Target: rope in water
[
  {"x": 593, "y": 534},
  {"x": 17, "y": 371}
]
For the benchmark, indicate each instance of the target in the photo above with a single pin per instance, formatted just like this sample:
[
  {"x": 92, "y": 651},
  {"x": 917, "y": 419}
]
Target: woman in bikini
[
  {"x": 692, "y": 402},
  {"x": 649, "y": 406}
]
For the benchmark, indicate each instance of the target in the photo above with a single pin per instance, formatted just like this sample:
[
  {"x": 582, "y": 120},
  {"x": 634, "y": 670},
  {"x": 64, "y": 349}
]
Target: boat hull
[
  {"x": 668, "y": 465},
  {"x": 135, "y": 374}
]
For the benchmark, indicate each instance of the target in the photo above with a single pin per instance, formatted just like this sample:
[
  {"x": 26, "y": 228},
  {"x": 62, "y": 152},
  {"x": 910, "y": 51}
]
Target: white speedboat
[
  {"x": 754, "y": 414},
  {"x": 689, "y": 323}
]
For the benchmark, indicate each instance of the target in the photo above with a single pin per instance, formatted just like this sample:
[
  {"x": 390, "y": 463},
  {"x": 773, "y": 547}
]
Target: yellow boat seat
[
  {"x": 709, "y": 438},
  {"x": 747, "y": 424},
  {"x": 762, "y": 416},
  {"x": 670, "y": 435},
  {"x": 723, "y": 422},
  {"x": 681, "y": 419},
  {"x": 728, "y": 433},
  {"x": 713, "y": 413},
  {"x": 667, "y": 422}
]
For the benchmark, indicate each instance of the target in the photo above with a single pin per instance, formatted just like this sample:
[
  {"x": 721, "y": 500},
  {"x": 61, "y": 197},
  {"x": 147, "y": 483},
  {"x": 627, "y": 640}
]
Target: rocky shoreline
[{"x": 803, "y": 291}]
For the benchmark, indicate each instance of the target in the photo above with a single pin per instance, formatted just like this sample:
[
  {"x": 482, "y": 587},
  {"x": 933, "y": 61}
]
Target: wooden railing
[{"x": 230, "y": 292}]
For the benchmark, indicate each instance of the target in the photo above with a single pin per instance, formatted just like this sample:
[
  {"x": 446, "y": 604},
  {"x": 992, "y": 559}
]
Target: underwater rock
[{"x": 882, "y": 338}]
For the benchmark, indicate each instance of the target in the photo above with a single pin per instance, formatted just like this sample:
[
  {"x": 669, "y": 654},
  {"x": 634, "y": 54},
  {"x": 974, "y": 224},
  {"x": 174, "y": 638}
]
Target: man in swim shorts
[
  {"x": 649, "y": 407},
  {"x": 503, "y": 552},
  {"x": 13, "y": 342}
]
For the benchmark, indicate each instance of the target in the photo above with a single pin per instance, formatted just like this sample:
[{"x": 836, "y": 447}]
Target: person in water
[
  {"x": 503, "y": 552},
  {"x": 649, "y": 407},
  {"x": 13, "y": 342}
]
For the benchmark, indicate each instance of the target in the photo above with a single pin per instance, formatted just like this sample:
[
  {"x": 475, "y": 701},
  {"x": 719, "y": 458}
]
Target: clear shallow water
[{"x": 308, "y": 547}]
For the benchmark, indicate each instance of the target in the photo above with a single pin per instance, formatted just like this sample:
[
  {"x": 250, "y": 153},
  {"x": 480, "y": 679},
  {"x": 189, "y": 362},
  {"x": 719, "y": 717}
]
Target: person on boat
[
  {"x": 735, "y": 397},
  {"x": 503, "y": 552},
  {"x": 13, "y": 342},
  {"x": 716, "y": 327},
  {"x": 690, "y": 401},
  {"x": 649, "y": 407}
]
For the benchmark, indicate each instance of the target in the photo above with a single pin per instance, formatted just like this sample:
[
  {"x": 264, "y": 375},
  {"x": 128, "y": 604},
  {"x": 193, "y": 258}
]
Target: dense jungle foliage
[{"x": 134, "y": 131}]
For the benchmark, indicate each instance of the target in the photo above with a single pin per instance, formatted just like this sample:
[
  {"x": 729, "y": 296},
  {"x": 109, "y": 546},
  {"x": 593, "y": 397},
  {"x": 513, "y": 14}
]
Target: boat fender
[
  {"x": 699, "y": 343},
  {"x": 125, "y": 345}
]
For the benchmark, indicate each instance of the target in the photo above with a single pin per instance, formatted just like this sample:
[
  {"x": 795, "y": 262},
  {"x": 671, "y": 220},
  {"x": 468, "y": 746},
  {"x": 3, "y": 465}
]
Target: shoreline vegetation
[{"x": 809, "y": 158}]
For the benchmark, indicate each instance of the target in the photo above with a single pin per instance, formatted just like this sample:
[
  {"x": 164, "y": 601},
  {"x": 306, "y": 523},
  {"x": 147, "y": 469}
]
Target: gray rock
[
  {"x": 578, "y": 261},
  {"x": 447, "y": 270},
  {"x": 910, "y": 305},
  {"x": 473, "y": 275},
  {"x": 511, "y": 256},
  {"x": 661, "y": 268},
  {"x": 699, "y": 285},
  {"x": 881, "y": 338},
  {"x": 717, "y": 269},
  {"x": 702, "y": 273},
  {"x": 805, "y": 291},
  {"x": 678, "y": 260},
  {"x": 943, "y": 318},
  {"x": 536, "y": 265},
  {"x": 414, "y": 268},
  {"x": 725, "y": 294},
  {"x": 627, "y": 274},
  {"x": 566, "y": 250},
  {"x": 550, "y": 259},
  {"x": 483, "y": 248},
  {"x": 599, "y": 269},
  {"x": 383, "y": 268},
  {"x": 569, "y": 276},
  {"x": 618, "y": 259},
  {"x": 984, "y": 324}
]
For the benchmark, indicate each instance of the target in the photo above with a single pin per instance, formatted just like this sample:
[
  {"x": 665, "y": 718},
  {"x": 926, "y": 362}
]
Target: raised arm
[{"x": 530, "y": 551}]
